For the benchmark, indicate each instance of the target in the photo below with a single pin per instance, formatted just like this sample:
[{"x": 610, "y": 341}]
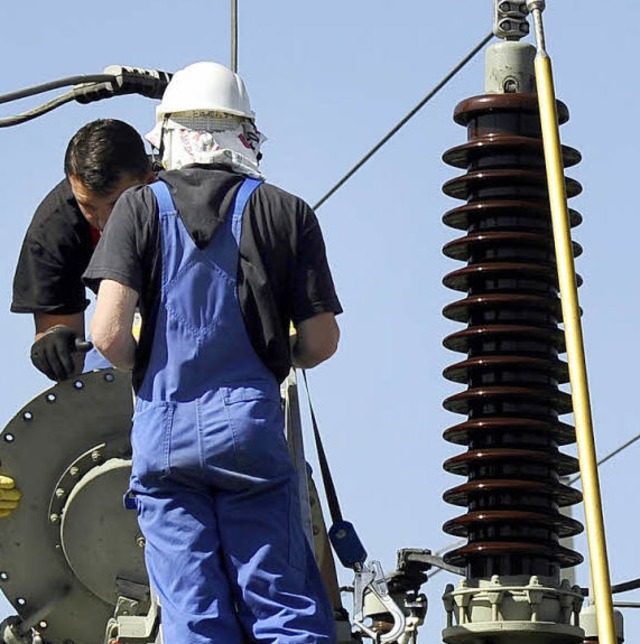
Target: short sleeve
[
  {"x": 120, "y": 253},
  {"x": 314, "y": 290},
  {"x": 54, "y": 254}
]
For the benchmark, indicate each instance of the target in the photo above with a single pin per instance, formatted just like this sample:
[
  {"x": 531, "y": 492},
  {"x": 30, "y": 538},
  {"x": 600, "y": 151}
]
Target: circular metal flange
[
  {"x": 100, "y": 554},
  {"x": 49, "y": 447}
]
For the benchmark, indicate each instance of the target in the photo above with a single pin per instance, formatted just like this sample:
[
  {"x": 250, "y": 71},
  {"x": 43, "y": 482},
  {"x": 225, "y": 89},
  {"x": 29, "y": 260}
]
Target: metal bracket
[
  {"x": 125, "y": 627},
  {"x": 409, "y": 558},
  {"x": 510, "y": 19}
]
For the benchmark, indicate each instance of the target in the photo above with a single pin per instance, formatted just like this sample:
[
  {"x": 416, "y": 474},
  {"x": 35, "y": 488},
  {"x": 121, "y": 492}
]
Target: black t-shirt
[
  {"x": 283, "y": 272},
  {"x": 55, "y": 253}
]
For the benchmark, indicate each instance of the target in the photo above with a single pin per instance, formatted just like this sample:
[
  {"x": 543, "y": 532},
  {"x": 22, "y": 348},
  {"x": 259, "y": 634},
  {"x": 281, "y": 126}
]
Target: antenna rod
[{"x": 234, "y": 35}]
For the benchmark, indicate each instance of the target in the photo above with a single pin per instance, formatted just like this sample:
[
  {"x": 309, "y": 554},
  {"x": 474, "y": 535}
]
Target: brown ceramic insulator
[
  {"x": 500, "y": 524},
  {"x": 488, "y": 246},
  {"x": 503, "y": 150},
  {"x": 504, "y": 214},
  {"x": 510, "y": 430},
  {"x": 487, "y": 558},
  {"x": 498, "y": 462},
  {"x": 488, "y": 370},
  {"x": 538, "y": 401},
  {"x": 493, "y": 307},
  {"x": 507, "y": 339},
  {"x": 490, "y": 494},
  {"x": 512, "y": 343},
  {"x": 495, "y": 184}
]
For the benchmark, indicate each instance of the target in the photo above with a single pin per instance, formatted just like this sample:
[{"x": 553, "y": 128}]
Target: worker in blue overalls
[{"x": 220, "y": 263}]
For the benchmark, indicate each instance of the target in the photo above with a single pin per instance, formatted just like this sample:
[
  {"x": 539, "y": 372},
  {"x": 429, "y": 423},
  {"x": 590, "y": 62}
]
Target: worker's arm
[
  {"x": 54, "y": 351},
  {"x": 112, "y": 322},
  {"x": 315, "y": 340}
]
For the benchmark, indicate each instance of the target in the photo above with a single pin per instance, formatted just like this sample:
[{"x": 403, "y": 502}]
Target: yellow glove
[{"x": 9, "y": 496}]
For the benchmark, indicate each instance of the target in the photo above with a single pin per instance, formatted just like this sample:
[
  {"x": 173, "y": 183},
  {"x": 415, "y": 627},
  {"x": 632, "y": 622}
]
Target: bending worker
[
  {"x": 220, "y": 263},
  {"x": 102, "y": 159}
]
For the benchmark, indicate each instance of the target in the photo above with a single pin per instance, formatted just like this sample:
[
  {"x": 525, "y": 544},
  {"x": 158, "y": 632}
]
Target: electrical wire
[
  {"x": 625, "y": 586},
  {"x": 622, "y": 447},
  {"x": 56, "y": 84},
  {"x": 405, "y": 120},
  {"x": 38, "y": 111}
]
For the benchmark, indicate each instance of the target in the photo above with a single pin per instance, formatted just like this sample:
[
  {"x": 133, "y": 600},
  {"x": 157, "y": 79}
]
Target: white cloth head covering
[{"x": 207, "y": 138}]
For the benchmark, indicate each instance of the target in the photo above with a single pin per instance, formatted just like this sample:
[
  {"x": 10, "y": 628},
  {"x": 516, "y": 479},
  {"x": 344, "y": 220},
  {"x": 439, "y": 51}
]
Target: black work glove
[{"x": 53, "y": 353}]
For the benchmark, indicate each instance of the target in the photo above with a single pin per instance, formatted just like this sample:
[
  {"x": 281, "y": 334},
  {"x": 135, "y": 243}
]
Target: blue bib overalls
[{"x": 214, "y": 486}]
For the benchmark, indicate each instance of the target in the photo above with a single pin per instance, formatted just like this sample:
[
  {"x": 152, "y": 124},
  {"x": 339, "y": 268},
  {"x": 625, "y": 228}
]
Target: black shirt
[
  {"x": 283, "y": 272},
  {"x": 55, "y": 253}
]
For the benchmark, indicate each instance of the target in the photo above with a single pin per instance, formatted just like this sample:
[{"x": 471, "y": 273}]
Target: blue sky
[{"x": 327, "y": 80}]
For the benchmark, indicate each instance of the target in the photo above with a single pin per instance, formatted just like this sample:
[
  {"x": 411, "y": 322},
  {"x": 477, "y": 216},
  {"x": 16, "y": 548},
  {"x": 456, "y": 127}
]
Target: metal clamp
[
  {"x": 510, "y": 19},
  {"x": 372, "y": 580}
]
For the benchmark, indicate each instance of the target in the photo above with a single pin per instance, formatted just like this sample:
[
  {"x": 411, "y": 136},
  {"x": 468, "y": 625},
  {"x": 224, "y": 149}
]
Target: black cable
[
  {"x": 626, "y": 605},
  {"x": 56, "y": 84},
  {"x": 625, "y": 586},
  {"x": 408, "y": 117},
  {"x": 38, "y": 111}
]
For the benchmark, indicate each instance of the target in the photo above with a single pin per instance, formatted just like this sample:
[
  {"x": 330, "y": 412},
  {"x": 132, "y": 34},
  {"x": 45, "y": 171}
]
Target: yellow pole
[{"x": 599, "y": 565}]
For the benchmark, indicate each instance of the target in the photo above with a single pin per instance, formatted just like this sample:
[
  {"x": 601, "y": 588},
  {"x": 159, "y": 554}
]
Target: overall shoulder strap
[
  {"x": 163, "y": 197},
  {"x": 245, "y": 191}
]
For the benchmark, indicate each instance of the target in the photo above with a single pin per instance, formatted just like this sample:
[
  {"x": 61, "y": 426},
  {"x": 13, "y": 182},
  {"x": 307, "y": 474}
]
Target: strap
[
  {"x": 327, "y": 480},
  {"x": 163, "y": 197},
  {"x": 245, "y": 191}
]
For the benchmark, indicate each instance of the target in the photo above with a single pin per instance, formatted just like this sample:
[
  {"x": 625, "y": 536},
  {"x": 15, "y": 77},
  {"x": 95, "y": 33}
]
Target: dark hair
[{"x": 102, "y": 151}]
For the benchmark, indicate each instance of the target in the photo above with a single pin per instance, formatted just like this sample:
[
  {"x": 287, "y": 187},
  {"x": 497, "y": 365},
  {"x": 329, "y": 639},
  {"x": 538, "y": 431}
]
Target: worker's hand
[
  {"x": 53, "y": 352},
  {"x": 9, "y": 496}
]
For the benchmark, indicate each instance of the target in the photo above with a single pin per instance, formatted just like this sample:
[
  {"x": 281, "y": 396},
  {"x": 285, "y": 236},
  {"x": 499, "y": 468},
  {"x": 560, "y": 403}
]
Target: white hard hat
[{"x": 205, "y": 87}]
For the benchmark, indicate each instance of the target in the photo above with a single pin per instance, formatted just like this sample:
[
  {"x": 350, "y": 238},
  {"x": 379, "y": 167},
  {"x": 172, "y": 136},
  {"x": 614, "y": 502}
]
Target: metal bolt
[
  {"x": 74, "y": 471},
  {"x": 96, "y": 456},
  {"x": 510, "y": 86},
  {"x": 54, "y": 518},
  {"x": 60, "y": 492},
  {"x": 140, "y": 541}
]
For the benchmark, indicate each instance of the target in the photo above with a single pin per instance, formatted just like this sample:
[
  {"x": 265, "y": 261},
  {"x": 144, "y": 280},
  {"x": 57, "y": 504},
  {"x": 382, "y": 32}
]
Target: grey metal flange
[{"x": 71, "y": 549}]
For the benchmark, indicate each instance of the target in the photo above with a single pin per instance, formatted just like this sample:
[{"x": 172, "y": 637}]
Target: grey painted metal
[
  {"x": 510, "y": 19},
  {"x": 68, "y": 451},
  {"x": 590, "y": 625},
  {"x": 293, "y": 429},
  {"x": 106, "y": 559},
  {"x": 234, "y": 35},
  {"x": 509, "y": 68},
  {"x": 529, "y": 610}
]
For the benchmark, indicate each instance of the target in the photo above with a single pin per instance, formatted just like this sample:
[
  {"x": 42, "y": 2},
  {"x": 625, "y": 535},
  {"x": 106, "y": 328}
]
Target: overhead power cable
[
  {"x": 604, "y": 459},
  {"x": 38, "y": 111},
  {"x": 405, "y": 120},
  {"x": 56, "y": 84},
  {"x": 116, "y": 80}
]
